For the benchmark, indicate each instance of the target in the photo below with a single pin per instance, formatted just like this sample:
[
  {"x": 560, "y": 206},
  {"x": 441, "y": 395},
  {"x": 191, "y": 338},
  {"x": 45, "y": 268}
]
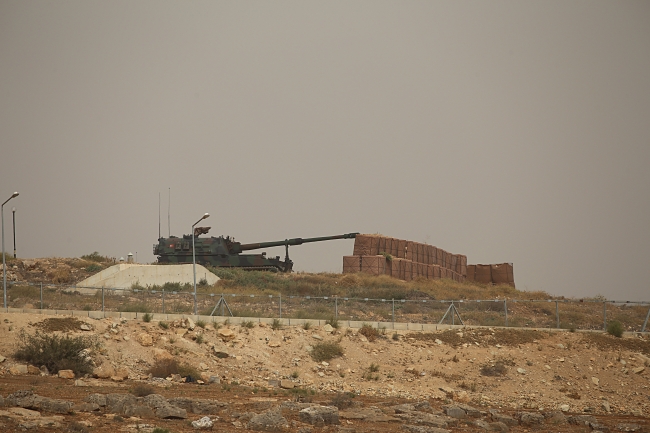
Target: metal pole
[
  {"x": 336, "y": 307},
  {"x": 41, "y": 296},
  {"x": 280, "y": 305},
  {"x": 4, "y": 264},
  {"x": 393, "y": 313},
  {"x": 646, "y": 320},
  {"x": 557, "y": 315},
  {"x": 605, "y": 316},
  {"x": 505, "y": 308},
  {"x": 163, "y": 300},
  {"x": 453, "y": 316},
  {"x": 103, "y": 305},
  {"x": 194, "y": 258},
  {"x": 13, "y": 211}
]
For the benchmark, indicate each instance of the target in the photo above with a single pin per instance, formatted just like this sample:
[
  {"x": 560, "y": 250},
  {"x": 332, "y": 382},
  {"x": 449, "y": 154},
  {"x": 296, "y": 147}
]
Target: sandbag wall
[
  {"x": 406, "y": 260},
  {"x": 502, "y": 273}
]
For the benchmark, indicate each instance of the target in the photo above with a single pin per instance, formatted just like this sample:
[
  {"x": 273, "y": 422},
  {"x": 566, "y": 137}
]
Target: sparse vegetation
[
  {"x": 201, "y": 323},
  {"x": 334, "y": 323},
  {"x": 615, "y": 328},
  {"x": 56, "y": 352},
  {"x": 147, "y": 317},
  {"x": 163, "y": 325},
  {"x": 342, "y": 400},
  {"x": 248, "y": 324},
  {"x": 199, "y": 339},
  {"x": 369, "y": 332},
  {"x": 496, "y": 369},
  {"x": 295, "y": 374},
  {"x": 276, "y": 324},
  {"x": 373, "y": 368},
  {"x": 306, "y": 326},
  {"x": 95, "y": 257},
  {"x": 142, "y": 390},
  {"x": 326, "y": 351}
]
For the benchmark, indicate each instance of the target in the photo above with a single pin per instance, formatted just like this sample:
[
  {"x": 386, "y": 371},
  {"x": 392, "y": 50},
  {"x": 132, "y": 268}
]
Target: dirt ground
[{"x": 580, "y": 373}]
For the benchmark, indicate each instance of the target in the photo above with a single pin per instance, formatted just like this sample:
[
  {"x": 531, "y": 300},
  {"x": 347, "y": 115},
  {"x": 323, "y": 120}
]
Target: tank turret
[{"x": 223, "y": 251}]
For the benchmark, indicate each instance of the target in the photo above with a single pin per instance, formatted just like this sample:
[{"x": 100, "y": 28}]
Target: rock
[
  {"x": 161, "y": 354},
  {"x": 104, "y": 371},
  {"x": 328, "y": 328},
  {"x": 198, "y": 406},
  {"x": 85, "y": 327},
  {"x": 26, "y": 413},
  {"x": 595, "y": 380},
  {"x": 44, "y": 370},
  {"x": 145, "y": 339},
  {"x": 521, "y": 370},
  {"x": 85, "y": 407},
  {"x": 424, "y": 429},
  {"x": 53, "y": 405},
  {"x": 320, "y": 415},
  {"x": 23, "y": 398},
  {"x": 169, "y": 411},
  {"x": 606, "y": 407},
  {"x": 581, "y": 420},
  {"x": 18, "y": 369},
  {"x": 204, "y": 422},
  {"x": 531, "y": 418},
  {"x": 455, "y": 412},
  {"x": 139, "y": 411},
  {"x": 190, "y": 324},
  {"x": 505, "y": 419},
  {"x": 628, "y": 427},
  {"x": 565, "y": 407},
  {"x": 287, "y": 384},
  {"x": 274, "y": 343},
  {"x": 80, "y": 382},
  {"x": 555, "y": 418},
  {"x": 638, "y": 370},
  {"x": 2, "y": 358},
  {"x": 66, "y": 374},
  {"x": 271, "y": 420},
  {"x": 316, "y": 336},
  {"x": 226, "y": 334},
  {"x": 98, "y": 399},
  {"x": 117, "y": 403},
  {"x": 461, "y": 396},
  {"x": 33, "y": 370},
  {"x": 438, "y": 342},
  {"x": 120, "y": 375}
]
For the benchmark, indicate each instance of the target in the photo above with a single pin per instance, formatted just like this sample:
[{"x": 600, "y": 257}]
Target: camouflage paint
[{"x": 225, "y": 252}]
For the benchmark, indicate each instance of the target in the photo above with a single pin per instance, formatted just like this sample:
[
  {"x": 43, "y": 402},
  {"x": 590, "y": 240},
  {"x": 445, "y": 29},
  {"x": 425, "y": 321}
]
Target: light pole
[
  {"x": 206, "y": 215},
  {"x": 4, "y": 265},
  {"x": 13, "y": 211}
]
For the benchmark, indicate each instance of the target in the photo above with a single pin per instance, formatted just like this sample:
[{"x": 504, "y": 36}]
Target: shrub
[
  {"x": 334, "y": 323},
  {"x": 295, "y": 374},
  {"x": 201, "y": 323},
  {"x": 277, "y": 324},
  {"x": 95, "y": 257},
  {"x": 202, "y": 282},
  {"x": 142, "y": 390},
  {"x": 93, "y": 268},
  {"x": 249, "y": 324},
  {"x": 373, "y": 368},
  {"x": 395, "y": 336},
  {"x": 56, "y": 352},
  {"x": 187, "y": 370},
  {"x": 306, "y": 326},
  {"x": 369, "y": 332},
  {"x": 199, "y": 339},
  {"x": 615, "y": 328},
  {"x": 496, "y": 369},
  {"x": 326, "y": 351},
  {"x": 163, "y": 325},
  {"x": 147, "y": 317},
  {"x": 164, "y": 368},
  {"x": 342, "y": 400}
]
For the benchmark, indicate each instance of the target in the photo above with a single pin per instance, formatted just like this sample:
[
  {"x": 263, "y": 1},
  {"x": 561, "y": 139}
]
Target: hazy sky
[{"x": 506, "y": 131}]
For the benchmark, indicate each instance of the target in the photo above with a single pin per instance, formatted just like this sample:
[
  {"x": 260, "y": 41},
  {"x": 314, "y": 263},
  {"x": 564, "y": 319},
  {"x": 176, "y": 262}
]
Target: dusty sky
[{"x": 507, "y": 131}]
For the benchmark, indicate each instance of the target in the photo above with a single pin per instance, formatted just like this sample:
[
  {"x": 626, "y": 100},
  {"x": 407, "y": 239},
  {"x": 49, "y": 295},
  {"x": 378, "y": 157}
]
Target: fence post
[
  {"x": 393, "y": 313},
  {"x": 163, "y": 300},
  {"x": 646, "y": 321},
  {"x": 280, "y": 305},
  {"x": 605, "y": 316},
  {"x": 557, "y": 315},
  {"x": 41, "y": 296},
  {"x": 102, "y": 299},
  {"x": 505, "y": 308},
  {"x": 336, "y": 308}
]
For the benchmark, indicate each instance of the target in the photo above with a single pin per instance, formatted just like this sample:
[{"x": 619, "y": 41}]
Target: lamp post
[
  {"x": 4, "y": 265},
  {"x": 206, "y": 215},
  {"x": 13, "y": 211}
]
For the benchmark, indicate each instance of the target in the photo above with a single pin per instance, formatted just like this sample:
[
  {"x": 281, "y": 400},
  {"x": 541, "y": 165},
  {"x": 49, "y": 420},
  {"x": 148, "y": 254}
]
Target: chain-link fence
[{"x": 593, "y": 314}]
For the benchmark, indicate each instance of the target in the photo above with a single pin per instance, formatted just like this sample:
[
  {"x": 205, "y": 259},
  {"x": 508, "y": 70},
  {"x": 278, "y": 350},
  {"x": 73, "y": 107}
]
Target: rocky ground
[{"x": 460, "y": 380}]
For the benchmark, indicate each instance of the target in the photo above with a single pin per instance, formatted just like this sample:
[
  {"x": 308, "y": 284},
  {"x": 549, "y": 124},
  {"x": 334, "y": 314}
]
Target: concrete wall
[{"x": 124, "y": 275}]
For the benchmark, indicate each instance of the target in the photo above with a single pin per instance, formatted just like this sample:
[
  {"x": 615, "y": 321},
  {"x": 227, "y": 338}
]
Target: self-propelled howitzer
[{"x": 225, "y": 252}]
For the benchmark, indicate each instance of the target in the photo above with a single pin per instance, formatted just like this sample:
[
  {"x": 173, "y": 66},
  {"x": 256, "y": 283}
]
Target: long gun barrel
[{"x": 289, "y": 242}]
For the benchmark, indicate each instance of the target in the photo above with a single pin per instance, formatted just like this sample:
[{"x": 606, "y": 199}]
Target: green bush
[
  {"x": 142, "y": 390},
  {"x": 201, "y": 323},
  {"x": 93, "y": 268},
  {"x": 95, "y": 257},
  {"x": 615, "y": 328},
  {"x": 249, "y": 324},
  {"x": 277, "y": 324},
  {"x": 56, "y": 352},
  {"x": 147, "y": 317},
  {"x": 163, "y": 325},
  {"x": 334, "y": 323},
  {"x": 369, "y": 332},
  {"x": 326, "y": 351}
]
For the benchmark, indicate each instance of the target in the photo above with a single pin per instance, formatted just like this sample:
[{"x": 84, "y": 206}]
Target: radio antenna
[
  {"x": 169, "y": 226},
  {"x": 158, "y": 214}
]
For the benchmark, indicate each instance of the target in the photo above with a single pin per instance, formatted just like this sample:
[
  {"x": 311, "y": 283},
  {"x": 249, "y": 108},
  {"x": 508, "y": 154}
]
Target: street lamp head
[
  {"x": 15, "y": 194},
  {"x": 13, "y": 209},
  {"x": 206, "y": 215}
]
